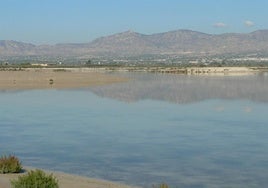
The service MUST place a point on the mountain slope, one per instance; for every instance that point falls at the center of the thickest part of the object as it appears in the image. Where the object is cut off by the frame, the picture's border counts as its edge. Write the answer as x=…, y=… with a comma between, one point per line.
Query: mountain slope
x=126, y=43
x=13, y=48
x=132, y=44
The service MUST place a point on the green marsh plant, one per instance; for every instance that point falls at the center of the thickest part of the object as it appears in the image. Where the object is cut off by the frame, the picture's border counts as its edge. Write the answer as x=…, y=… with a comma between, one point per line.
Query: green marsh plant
x=35, y=179
x=10, y=164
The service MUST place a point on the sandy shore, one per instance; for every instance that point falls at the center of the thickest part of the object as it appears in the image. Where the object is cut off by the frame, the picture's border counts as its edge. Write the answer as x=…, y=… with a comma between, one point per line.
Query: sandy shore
x=66, y=181
x=54, y=79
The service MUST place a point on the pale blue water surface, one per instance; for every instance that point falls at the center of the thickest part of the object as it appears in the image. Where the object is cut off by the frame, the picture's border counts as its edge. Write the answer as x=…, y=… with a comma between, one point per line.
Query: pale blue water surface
x=186, y=131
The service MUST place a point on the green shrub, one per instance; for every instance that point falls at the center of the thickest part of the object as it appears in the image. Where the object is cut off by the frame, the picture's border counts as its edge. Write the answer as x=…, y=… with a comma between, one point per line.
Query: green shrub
x=162, y=185
x=35, y=179
x=10, y=164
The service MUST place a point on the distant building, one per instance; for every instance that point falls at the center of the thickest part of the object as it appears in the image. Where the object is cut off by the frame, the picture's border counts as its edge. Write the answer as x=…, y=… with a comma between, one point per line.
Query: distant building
x=39, y=64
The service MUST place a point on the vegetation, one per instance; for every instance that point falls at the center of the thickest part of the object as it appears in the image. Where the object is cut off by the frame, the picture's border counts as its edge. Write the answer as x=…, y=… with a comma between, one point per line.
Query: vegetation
x=10, y=164
x=162, y=185
x=35, y=179
x=51, y=81
x=89, y=62
x=60, y=70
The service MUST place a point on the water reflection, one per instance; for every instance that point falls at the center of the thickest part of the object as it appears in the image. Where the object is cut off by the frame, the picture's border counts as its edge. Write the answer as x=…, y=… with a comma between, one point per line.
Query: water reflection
x=187, y=89
x=213, y=143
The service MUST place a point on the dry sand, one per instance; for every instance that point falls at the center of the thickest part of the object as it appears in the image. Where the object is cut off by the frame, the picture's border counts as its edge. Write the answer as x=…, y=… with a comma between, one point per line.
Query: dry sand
x=66, y=181
x=54, y=79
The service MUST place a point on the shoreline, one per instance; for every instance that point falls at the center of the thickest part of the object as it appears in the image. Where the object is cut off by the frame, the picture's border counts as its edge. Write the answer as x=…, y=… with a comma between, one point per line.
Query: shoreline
x=199, y=71
x=45, y=78
x=66, y=180
x=82, y=77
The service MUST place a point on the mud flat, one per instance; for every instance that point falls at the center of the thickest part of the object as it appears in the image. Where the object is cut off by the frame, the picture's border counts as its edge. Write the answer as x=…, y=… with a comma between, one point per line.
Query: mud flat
x=210, y=71
x=221, y=70
x=34, y=78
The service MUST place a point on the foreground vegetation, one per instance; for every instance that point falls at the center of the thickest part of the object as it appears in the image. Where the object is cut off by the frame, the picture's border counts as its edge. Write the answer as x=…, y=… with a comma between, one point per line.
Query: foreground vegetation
x=39, y=179
x=35, y=179
x=162, y=185
x=10, y=164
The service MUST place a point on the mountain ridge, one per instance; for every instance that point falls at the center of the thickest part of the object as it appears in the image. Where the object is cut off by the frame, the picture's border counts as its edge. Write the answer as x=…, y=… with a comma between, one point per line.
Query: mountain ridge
x=130, y=43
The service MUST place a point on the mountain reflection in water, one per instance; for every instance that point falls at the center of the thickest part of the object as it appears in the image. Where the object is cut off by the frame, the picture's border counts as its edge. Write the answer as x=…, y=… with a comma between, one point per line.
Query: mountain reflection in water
x=187, y=89
x=202, y=143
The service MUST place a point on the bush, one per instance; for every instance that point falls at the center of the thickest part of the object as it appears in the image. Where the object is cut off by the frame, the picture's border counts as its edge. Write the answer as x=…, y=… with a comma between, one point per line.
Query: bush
x=162, y=185
x=10, y=164
x=35, y=179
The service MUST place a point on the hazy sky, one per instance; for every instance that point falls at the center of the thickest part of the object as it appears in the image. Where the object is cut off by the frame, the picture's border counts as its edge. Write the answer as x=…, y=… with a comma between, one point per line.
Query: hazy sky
x=58, y=21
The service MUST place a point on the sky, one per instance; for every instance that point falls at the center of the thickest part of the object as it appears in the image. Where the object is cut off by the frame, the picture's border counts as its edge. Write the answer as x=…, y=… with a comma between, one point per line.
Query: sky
x=78, y=21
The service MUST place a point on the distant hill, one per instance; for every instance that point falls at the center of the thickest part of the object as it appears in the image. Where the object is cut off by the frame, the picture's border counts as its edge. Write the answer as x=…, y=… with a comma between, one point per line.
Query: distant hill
x=13, y=48
x=180, y=42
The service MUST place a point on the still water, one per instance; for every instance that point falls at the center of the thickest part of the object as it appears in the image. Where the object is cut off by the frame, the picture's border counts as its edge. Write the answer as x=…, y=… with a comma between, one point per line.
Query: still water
x=186, y=131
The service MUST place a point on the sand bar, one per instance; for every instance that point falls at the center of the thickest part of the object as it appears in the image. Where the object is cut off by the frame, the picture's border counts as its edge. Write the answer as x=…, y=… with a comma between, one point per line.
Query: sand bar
x=54, y=79
x=66, y=181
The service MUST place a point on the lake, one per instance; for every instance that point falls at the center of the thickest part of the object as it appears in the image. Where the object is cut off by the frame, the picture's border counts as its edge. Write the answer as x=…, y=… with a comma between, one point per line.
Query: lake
x=186, y=131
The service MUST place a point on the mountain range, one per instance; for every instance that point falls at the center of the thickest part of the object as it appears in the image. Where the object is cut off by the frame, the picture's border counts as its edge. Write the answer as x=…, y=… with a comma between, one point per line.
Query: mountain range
x=129, y=43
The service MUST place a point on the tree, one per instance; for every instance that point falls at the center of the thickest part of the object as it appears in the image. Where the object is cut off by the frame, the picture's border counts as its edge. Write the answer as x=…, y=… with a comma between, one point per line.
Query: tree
x=89, y=62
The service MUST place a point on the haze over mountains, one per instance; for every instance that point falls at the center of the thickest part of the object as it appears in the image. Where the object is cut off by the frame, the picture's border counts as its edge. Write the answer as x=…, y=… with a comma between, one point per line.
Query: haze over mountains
x=126, y=44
